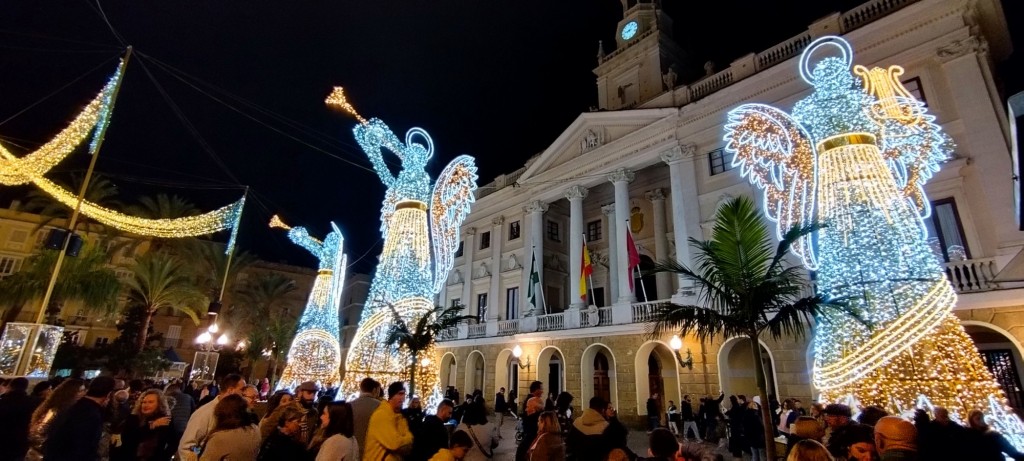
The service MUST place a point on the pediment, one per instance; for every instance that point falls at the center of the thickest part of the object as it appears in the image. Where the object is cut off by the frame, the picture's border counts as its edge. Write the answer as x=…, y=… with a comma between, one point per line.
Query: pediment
x=591, y=134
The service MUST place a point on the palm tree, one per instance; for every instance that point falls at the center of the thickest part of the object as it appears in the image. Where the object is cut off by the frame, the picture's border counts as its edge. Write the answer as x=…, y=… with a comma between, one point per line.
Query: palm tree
x=160, y=280
x=260, y=298
x=210, y=264
x=280, y=332
x=86, y=278
x=745, y=288
x=422, y=336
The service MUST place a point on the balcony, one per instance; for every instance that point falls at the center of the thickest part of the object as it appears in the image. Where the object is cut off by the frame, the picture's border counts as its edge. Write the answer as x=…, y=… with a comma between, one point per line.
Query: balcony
x=972, y=275
x=636, y=313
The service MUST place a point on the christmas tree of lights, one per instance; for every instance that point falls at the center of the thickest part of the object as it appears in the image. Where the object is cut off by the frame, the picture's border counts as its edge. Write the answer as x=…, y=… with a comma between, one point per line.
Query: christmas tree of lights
x=419, y=246
x=855, y=155
x=315, y=352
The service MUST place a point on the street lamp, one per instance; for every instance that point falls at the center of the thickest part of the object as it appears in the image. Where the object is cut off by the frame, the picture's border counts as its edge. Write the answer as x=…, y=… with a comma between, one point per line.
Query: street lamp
x=518, y=352
x=675, y=343
x=208, y=345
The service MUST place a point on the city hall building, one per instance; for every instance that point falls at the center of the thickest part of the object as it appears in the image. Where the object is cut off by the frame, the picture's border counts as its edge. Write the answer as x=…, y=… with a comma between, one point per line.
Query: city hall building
x=650, y=162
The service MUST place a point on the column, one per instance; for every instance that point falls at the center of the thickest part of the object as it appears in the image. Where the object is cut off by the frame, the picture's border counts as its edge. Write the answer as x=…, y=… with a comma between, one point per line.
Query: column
x=664, y=279
x=620, y=179
x=467, y=269
x=494, y=306
x=613, y=255
x=533, y=246
x=685, y=219
x=575, y=194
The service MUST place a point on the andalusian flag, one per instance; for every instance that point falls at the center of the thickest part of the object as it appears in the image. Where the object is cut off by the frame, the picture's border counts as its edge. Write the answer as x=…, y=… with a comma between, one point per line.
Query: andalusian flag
x=585, y=270
x=632, y=254
x=531, y=290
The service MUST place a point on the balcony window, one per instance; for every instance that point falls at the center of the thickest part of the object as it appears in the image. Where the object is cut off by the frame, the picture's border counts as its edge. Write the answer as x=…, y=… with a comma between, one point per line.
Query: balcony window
x=719, y=161
x=481, y=307
x=594, y=231
x=485, y=240
x=914, y=87
x=554, y=233
x=512, y=303
x=946, y=232
x=513, y=230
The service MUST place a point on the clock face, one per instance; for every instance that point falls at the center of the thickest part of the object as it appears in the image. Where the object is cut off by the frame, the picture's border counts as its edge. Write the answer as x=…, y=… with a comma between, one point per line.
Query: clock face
x=629, y=30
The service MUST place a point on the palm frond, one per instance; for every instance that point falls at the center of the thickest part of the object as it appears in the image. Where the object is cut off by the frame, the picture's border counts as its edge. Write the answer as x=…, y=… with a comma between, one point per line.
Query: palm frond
x=700, y=322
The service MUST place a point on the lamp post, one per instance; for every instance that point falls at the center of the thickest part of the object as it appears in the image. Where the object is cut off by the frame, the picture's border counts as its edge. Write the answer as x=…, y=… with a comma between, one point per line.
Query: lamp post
x=208, y=346
x=518, y=352
x=676, y=343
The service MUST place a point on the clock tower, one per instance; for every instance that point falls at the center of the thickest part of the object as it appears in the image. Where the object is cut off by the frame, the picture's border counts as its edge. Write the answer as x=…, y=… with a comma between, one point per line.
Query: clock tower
x=644, y=52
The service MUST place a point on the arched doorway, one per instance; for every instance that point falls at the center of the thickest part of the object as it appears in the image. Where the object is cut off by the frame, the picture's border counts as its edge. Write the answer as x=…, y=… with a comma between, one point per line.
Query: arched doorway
x=448, y=370
x=506, y=373
x=551, y=369
x=656, y=370
x=474, y=373
x=597, y=375
x=1001, y=354
x=646, y=287
x=736, y=368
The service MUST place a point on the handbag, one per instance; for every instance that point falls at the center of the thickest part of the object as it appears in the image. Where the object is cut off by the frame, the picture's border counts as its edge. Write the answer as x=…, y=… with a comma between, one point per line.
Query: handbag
x=494, y=443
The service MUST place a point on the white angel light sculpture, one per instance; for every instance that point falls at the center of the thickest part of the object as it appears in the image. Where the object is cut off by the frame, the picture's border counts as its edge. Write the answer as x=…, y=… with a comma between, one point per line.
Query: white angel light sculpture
x=315, y=352
x=854, y=156
x=420, y=241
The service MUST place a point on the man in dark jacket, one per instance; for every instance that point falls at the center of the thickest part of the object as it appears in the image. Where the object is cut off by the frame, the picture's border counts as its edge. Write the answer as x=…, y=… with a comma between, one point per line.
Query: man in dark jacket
x=75, y=436
x=500, y=406
x=586, y=436
x=432, y=435
x=653, y=412
x=16, y=409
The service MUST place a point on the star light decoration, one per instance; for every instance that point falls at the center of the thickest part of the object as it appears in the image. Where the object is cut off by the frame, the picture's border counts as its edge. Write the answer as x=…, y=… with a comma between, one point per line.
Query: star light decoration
x=420, y=241
x=855, y=155
x=315, y=352
x=94, y=118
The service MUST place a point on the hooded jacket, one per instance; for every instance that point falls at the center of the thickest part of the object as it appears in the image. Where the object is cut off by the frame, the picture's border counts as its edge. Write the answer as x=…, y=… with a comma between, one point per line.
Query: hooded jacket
x=585, y=438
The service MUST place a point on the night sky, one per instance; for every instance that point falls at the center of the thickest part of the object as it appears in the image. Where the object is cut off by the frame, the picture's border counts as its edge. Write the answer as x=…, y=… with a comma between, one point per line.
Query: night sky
x=224, y=93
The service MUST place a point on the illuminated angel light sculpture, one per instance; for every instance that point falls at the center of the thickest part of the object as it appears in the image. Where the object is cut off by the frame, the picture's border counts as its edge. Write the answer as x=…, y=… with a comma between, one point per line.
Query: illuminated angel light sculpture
x=854, y=155
x=419, y=245
x=315, y=352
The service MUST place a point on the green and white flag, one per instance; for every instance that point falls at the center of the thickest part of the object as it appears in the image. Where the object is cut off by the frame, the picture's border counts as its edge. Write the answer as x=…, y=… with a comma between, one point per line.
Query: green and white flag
x=531, y=290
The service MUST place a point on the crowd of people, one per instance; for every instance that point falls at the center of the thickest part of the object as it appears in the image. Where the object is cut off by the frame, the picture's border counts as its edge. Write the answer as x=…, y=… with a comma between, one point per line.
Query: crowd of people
x=109, y=419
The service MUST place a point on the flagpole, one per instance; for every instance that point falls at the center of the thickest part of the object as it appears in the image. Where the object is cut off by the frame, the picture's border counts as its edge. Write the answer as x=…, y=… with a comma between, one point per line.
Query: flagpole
x=590, y=277
x=540, y=286
x=636, y=248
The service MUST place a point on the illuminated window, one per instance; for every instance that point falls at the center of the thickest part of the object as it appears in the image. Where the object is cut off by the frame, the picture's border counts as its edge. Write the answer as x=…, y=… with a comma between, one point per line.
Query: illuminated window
x=914, y=86
x=946, y=232
x=720, y=161
x=485, y=240
x=513, y=230
x=173, y=336
x=594, y=231
x=554, y=233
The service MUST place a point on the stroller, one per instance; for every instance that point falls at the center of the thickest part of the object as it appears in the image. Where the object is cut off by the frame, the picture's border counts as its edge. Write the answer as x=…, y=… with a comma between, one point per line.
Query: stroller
x=519, y=430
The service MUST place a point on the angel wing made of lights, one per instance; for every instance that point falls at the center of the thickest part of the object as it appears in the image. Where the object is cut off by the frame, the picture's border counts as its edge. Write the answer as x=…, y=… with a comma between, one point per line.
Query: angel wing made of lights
x=776, y=152
x=449, y=204
x=912, y=144
x=372, y=136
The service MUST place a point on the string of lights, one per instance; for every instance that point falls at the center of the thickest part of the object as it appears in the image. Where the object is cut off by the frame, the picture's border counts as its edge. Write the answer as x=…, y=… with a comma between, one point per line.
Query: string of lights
x=855, y=155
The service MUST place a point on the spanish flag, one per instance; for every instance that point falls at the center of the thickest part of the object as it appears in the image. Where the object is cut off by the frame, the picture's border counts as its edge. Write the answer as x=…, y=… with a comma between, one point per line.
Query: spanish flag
x=585, y=270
